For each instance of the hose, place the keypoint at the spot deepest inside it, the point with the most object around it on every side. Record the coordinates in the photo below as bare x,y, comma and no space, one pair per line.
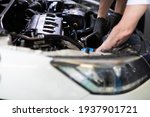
65,38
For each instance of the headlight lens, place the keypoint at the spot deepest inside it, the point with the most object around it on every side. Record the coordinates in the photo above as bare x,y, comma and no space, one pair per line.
105,75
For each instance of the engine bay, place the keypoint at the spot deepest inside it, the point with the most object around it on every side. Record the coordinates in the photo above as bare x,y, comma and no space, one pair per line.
50,25
46,25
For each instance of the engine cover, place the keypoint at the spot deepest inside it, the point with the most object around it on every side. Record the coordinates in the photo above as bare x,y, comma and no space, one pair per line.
47,24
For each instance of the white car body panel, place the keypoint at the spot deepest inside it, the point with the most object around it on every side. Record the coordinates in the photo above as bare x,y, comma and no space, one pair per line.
27,75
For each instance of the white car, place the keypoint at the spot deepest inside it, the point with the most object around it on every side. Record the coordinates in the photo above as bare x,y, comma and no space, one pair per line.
40,55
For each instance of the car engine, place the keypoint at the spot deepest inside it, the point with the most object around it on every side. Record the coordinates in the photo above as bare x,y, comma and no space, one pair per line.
47,25
51,25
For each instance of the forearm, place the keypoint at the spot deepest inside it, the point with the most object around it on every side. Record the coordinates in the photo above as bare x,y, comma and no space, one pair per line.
120,6
104,7
131,16
125,28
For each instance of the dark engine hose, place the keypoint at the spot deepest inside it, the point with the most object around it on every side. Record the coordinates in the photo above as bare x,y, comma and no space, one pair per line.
65,38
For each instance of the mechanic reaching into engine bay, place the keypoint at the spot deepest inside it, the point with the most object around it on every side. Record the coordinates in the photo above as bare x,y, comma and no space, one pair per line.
126,17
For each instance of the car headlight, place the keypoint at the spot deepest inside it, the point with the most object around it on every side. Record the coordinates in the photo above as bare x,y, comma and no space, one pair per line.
105,75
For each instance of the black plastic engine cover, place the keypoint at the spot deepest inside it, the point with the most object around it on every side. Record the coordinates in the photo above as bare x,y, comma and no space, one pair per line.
47,24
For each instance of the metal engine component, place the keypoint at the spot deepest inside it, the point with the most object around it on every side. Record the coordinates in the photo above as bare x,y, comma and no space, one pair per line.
46,24
75,18
43,31
55,5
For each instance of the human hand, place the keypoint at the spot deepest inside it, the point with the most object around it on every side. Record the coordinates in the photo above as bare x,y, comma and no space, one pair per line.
118,36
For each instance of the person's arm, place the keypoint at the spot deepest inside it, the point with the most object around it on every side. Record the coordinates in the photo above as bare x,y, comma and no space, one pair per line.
120,6
104,6
125,28
100,26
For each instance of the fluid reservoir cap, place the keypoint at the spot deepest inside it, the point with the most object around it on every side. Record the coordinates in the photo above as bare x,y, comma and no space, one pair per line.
87,50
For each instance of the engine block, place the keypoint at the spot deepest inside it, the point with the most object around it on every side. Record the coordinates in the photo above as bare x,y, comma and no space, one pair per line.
47,24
